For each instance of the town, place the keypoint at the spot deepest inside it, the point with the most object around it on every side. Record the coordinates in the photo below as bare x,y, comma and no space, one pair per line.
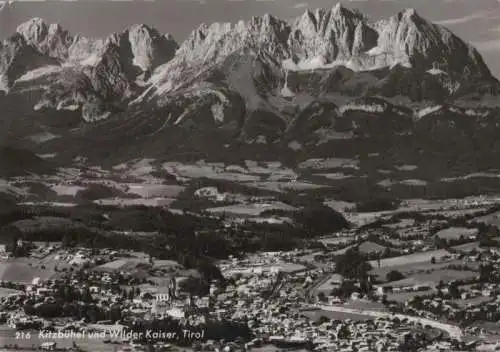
360,289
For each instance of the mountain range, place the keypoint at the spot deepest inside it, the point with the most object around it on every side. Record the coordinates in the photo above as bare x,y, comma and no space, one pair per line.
330,82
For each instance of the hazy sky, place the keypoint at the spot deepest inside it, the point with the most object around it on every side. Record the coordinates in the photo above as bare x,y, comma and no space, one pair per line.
476,21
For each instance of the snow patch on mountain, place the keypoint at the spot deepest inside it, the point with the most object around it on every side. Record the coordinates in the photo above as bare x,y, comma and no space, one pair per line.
39,72
314,63
286,91
428,110
373,108
64,105
436,71
475,113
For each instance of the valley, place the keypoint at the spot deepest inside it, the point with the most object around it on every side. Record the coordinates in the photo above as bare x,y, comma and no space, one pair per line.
324,183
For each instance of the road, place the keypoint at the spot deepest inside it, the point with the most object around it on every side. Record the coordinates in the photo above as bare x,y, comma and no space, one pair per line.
317,284
454,331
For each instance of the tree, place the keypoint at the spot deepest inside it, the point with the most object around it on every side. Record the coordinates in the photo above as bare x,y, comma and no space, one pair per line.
485,272
344,333
195,286
410,344
353,265
394,275
453,290
320,219
346,289
322,297
377,204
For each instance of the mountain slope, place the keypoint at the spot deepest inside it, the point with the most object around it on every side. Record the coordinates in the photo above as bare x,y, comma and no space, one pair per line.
326,39
329,79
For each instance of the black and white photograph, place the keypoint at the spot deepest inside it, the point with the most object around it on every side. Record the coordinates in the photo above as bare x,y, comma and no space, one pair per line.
250,175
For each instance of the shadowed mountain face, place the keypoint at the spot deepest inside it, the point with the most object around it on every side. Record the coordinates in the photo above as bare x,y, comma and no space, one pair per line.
329,78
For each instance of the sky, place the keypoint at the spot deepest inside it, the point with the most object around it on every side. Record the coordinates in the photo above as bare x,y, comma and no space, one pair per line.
475,21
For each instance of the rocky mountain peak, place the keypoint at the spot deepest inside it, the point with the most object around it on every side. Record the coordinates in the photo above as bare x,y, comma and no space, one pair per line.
332,35
144,46
213,43
340,10
410,12
413,41
17,57
149,48
322,39
51,40
34,30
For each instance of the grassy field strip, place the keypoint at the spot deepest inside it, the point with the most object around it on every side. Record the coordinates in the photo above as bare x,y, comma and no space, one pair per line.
454,331
411,258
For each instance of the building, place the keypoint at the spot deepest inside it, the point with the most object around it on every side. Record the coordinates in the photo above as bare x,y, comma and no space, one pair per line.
48,346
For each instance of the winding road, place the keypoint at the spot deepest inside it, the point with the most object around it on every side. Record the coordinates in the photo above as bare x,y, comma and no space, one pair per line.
454,331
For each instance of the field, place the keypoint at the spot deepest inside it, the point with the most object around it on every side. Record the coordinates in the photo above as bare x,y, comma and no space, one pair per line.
252,209
329,163
342,251
66,190
332,241
411,258
18,270
145,190
360,219
24,270
473,301
418,268
327,286
289,267
340,205
364,305
402,297
491,219
433,278
213,171
149,202
371,247
7,291
334,175
45,223
122,264
454,233
469,247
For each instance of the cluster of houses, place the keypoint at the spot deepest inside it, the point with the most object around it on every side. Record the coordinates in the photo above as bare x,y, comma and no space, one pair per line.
267,291
286,321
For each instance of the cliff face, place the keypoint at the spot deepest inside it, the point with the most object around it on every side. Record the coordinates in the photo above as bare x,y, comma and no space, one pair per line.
261,79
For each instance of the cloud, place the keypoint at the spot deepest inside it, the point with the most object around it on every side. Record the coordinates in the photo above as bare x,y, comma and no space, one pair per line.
464,19
300,5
